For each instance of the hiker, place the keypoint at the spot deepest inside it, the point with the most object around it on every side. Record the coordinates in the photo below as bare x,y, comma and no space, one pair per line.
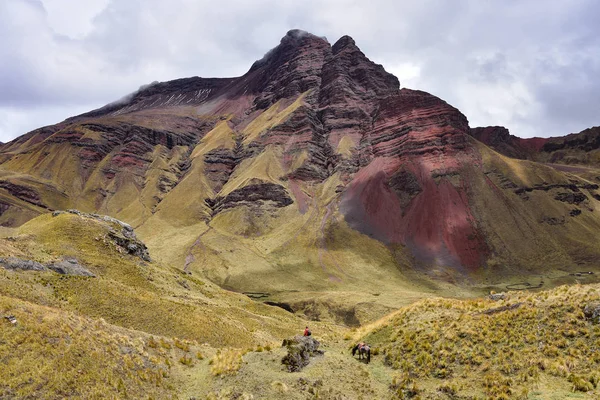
307,332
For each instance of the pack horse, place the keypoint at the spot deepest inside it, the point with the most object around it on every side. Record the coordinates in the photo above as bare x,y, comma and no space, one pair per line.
364,351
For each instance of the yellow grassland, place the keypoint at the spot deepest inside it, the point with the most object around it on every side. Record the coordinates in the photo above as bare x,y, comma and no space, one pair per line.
270,118
266,167
515,225
345,146
52,354
222,136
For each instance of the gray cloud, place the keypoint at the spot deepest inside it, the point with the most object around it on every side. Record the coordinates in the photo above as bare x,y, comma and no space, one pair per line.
530,66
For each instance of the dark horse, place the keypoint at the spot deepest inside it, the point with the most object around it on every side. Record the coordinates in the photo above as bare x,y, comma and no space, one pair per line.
364,351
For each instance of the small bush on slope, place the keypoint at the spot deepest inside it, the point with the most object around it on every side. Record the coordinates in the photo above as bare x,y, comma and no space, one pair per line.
226,361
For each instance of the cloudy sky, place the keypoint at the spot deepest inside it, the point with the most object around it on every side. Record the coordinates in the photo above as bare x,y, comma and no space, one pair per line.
532,66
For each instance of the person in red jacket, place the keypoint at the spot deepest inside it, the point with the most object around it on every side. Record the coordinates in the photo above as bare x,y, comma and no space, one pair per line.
307,332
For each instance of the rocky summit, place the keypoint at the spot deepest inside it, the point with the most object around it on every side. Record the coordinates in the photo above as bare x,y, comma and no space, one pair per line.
316,190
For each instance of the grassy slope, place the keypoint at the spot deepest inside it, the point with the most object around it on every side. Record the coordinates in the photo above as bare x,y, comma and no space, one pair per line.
514,226
63,181
132,293
434,349
284,253
281,252
543,349
98,331
52,353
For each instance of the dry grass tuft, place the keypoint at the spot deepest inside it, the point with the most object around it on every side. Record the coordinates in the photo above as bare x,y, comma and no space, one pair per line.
226,362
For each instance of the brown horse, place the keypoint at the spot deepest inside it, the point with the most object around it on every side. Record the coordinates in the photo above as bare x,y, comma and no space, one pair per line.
364,351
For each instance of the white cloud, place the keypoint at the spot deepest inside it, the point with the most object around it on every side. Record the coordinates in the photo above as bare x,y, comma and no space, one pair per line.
73,18
408,73
25,120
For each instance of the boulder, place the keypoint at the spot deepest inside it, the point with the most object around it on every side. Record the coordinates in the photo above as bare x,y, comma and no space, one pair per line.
300,349
14,263
592,312
497,296
70,267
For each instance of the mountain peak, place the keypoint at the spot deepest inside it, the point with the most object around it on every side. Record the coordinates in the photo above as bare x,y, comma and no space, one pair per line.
343,42
298,34
294,40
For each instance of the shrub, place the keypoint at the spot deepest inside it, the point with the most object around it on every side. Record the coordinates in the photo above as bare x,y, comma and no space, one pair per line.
580,383
182,345
226,362
152,343
186,360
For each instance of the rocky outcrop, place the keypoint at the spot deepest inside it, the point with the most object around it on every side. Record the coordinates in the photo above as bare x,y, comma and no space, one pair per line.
500,139
497,296
574,197
24,193
219,165
586,141
252,195
351,84
406,186
575,212
291,68
121,233
186,91
409,188
128,143
575,148
343,88
14,263
70,266
592,312
65,267
300,350
571,198
4,207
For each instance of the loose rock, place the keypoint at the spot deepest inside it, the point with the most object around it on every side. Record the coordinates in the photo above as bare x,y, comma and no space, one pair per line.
123,237
70,267
14,263
300,349
592,312
497,296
